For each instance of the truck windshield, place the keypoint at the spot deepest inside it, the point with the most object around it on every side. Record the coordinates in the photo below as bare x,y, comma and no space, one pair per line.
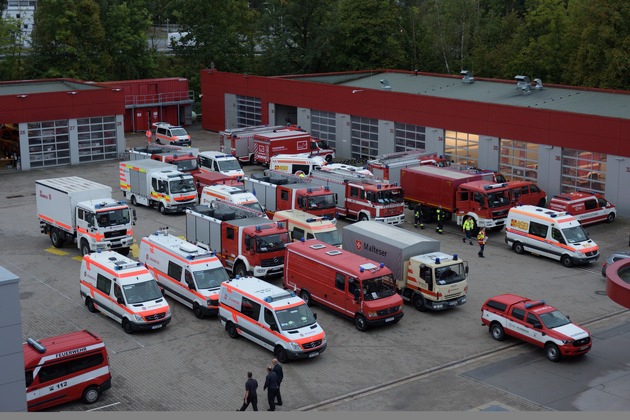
187,165
332,237
322,144
178,132
142,292
274,242
378,287
575,234
113,217
393,196
554,319
255,205
498,199
183,185
296,317
450,274
321,201
210,278
228,165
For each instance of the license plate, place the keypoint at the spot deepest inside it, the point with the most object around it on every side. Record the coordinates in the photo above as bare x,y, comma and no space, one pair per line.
155,327
389,319
313,354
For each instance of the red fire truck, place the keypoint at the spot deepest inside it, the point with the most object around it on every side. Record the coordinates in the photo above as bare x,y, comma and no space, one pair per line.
239,142
456,192
361,196
281,191
388,166
251,245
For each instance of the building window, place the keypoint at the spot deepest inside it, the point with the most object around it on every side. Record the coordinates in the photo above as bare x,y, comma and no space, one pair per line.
324,127
48,143
462,148
364,138
97,138
519,160
410,137
248,111
583,171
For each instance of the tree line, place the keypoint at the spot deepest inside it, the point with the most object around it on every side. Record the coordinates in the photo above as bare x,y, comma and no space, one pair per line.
569,42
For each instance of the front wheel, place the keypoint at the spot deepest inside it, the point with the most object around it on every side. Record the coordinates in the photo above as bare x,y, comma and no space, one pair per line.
496,331
231,330
197,310
240,270
329,159
610,218
541,202
85,247
306,297
363,217
281,354
552,352
90,395
127,327
134,202
162,208
361,323
418,303
566,261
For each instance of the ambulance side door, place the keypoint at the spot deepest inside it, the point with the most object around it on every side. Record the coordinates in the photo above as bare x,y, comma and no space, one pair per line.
269,326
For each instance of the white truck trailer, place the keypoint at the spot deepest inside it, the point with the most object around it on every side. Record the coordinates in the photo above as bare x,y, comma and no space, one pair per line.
425,276
73,209
157,184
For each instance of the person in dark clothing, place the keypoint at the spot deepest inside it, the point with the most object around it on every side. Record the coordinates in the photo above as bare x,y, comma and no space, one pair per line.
271,385
277,367
250,393
417,214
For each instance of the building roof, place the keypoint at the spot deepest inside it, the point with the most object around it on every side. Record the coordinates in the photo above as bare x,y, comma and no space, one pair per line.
615,104
44,86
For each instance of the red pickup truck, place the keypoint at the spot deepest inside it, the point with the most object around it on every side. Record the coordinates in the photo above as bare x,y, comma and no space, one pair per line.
535,322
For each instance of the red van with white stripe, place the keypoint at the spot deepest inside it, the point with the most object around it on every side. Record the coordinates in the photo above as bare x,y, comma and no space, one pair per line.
65,368
272,317
124,290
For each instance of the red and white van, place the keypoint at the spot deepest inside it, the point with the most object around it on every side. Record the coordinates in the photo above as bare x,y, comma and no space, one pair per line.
352,285
65,368
587,208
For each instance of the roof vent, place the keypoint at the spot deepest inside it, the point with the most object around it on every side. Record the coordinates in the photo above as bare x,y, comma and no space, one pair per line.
468,77
385,84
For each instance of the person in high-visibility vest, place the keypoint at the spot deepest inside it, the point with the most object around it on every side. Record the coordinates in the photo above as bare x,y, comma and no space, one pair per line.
482,238
439,215
468,227
148,134
417,214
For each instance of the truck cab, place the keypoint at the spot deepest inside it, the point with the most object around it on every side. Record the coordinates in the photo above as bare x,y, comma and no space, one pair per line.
220,162
304,226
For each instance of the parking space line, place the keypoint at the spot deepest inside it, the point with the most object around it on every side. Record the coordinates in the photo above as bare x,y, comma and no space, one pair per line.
55,251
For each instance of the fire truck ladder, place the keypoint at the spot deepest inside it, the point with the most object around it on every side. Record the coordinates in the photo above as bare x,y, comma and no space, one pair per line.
241,212
344,175
391,158
292,178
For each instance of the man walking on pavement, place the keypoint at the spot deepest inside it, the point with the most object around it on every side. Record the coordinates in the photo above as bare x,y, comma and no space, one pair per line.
439,214
482,238
417,214
271,385
468,227
278,369
250,393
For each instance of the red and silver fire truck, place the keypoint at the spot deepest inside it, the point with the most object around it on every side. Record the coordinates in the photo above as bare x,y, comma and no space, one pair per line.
388,166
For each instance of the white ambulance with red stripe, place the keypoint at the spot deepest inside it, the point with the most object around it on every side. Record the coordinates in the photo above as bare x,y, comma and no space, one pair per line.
124,290
549,233
189,274
272,317
65,368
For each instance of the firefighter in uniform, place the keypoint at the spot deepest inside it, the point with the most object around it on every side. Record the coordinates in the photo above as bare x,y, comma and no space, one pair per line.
439,215
468,227
417,214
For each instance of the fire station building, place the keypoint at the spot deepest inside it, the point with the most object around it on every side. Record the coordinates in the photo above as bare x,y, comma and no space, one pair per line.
64,121
563,138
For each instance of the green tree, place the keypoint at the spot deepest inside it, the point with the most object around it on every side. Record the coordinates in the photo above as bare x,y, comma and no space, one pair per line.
67,41
365,34
11,49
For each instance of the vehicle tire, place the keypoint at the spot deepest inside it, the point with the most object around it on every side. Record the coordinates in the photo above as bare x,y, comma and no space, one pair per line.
518,248
90,395
126,325
497,332
123,251
542,202
566,261
427,214
329,159
239,270
360,323
231,330
552,352
162,208
281,354
197,310
610,218
157,141
306,297
85,247
418,303
363,217
252,160
90,305
55,238
134,202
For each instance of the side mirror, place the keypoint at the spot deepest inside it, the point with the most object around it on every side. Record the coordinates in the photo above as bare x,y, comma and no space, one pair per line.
315,316
133,211
537,325
191,286
120,300
274,327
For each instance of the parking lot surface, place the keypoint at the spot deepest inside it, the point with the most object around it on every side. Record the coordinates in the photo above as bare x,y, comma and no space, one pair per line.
441,361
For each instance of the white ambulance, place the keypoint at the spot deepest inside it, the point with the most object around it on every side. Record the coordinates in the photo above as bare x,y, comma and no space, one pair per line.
227,165
272,317
549,233
297,164
231,194
189,274
124,290
303,226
